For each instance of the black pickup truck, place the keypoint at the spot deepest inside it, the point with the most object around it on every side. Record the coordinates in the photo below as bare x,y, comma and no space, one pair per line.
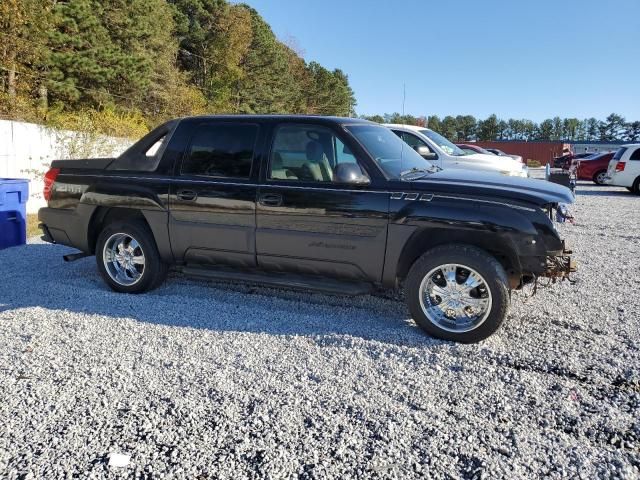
335,204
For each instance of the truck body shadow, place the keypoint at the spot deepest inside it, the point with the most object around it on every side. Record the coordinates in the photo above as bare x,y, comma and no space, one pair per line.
36,276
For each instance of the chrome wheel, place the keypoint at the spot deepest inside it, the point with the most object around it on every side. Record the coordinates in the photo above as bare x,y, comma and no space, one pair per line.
455,298
123,259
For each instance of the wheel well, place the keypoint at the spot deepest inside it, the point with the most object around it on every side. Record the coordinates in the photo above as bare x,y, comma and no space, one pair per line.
425,240
103,216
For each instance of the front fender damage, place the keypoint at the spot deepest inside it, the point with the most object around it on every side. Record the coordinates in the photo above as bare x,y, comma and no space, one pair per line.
560,267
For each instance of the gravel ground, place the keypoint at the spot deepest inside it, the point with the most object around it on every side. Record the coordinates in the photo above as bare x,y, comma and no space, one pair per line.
204,380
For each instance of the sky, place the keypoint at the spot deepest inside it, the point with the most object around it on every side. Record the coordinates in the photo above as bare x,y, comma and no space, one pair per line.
517,59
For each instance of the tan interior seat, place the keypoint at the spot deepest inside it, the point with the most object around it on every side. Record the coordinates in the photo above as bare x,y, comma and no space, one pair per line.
278,171
318,165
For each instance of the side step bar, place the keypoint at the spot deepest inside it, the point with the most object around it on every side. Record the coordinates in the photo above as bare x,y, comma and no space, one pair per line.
278,280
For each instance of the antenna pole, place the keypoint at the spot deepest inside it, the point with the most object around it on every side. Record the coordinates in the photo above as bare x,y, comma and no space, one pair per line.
404,97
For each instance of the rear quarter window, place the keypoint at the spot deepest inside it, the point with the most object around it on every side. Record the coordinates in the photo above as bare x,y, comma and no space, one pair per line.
635,155
619,153
145,154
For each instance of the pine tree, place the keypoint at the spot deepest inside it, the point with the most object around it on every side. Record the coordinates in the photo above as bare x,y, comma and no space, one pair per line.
23,51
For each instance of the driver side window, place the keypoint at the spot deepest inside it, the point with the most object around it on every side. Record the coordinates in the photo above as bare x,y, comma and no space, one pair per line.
309,153
413,141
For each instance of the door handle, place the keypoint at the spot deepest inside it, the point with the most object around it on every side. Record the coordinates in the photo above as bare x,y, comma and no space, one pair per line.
188,195
270,200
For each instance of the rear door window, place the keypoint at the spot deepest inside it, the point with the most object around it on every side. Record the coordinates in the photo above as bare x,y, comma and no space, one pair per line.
221,150
635,155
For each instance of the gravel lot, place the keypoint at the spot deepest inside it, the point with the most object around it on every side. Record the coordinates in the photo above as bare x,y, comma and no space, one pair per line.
204,380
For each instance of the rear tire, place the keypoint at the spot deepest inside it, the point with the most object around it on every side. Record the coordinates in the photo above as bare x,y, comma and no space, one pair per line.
636,186
460,315
128,258
599,177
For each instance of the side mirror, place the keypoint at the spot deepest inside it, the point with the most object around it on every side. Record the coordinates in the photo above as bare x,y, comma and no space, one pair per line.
350,173
425,153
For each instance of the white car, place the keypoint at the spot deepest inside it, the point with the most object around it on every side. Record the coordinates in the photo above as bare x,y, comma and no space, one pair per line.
624,168
441,152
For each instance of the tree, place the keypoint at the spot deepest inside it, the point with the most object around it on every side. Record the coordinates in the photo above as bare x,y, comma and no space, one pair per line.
433,122
503,130
84,62
488,129
225,54
23,31
570,127
466,127
374,118
545,131
529,129
143,32
612,128
330,93
593,129
557,132
344,98
197,29
402,119
632,131
449,128
266,84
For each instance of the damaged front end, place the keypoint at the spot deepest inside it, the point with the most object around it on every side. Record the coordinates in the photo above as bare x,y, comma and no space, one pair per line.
560,267
555,261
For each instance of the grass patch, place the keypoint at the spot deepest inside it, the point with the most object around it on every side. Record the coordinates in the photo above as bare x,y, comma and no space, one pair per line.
533,163
32,225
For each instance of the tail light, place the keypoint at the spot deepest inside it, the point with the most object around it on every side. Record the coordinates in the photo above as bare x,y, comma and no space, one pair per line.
620,166
49,180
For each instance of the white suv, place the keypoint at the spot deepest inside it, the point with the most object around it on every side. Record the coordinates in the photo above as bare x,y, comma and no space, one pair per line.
624,168
441,152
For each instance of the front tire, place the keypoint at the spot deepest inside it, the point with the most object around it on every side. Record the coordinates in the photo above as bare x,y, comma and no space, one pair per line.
128,258
458,292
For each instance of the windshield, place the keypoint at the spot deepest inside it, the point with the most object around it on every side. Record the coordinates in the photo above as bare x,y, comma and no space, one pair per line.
445,145
394,156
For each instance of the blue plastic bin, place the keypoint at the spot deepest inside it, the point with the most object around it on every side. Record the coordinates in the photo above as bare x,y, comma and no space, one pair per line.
14,193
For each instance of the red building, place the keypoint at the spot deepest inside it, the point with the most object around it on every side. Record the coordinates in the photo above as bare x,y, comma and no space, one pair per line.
543,152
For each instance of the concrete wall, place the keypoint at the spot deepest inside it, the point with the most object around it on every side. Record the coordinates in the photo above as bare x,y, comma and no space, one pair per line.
27,149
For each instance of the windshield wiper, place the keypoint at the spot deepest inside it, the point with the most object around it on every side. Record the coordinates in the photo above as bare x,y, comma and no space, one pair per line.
414,170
